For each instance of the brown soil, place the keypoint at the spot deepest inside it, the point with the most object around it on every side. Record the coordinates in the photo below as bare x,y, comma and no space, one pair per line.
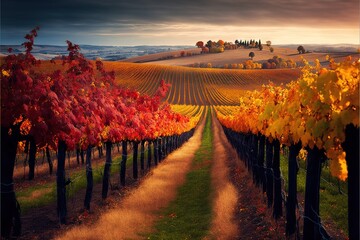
224,225
251,213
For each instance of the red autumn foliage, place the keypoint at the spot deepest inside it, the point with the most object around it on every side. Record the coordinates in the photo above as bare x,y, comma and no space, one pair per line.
80,104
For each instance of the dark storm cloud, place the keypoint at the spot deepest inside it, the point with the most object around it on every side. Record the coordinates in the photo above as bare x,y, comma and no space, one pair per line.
127,15
19,13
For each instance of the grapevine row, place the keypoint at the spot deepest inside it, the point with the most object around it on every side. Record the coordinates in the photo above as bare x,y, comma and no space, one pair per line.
77,106
319,112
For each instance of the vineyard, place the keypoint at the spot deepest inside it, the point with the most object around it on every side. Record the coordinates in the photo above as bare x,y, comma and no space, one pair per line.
192,86
190,127
319,113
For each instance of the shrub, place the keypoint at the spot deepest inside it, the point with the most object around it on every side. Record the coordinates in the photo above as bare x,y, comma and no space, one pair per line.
266,65
217,50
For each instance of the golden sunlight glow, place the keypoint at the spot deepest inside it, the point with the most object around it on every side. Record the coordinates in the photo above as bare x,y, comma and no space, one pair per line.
188,34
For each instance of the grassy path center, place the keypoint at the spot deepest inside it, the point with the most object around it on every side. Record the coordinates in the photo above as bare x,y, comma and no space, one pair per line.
189,215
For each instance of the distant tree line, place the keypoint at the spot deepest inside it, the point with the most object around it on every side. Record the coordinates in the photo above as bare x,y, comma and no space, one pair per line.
248,43
220,45
215,46
272,63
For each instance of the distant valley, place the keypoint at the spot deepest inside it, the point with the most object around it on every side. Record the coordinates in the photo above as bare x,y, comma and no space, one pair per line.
109,53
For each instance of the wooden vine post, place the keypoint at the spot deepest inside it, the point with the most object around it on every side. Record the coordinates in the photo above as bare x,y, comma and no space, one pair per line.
351,147
291,200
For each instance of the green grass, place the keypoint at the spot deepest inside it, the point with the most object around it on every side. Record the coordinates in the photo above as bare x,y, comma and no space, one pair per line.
189,215
26,200
47,192
333,205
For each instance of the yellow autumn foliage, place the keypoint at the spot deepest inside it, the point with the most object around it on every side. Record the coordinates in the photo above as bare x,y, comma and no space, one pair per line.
315,109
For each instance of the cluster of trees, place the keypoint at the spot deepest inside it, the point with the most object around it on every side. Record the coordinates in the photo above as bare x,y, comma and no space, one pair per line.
249,64
253,44
187,54
220,45
215,46
248,43
278,62
273,63
201,65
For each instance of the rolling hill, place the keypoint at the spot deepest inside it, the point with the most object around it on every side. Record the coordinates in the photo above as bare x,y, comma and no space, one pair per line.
197,86
192,86
240,55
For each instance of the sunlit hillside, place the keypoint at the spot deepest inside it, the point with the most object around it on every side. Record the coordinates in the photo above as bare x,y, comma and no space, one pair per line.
192,86
197,86
241,55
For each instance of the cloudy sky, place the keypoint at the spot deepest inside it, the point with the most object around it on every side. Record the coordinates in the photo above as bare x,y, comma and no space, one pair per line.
159,22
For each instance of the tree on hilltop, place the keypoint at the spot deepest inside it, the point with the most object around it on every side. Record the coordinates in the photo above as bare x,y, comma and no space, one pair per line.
301,49
200,44
210,44
251,55
220,43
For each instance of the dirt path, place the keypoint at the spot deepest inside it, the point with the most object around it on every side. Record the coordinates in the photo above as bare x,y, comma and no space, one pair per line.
223,225
136,214
239,208
238,200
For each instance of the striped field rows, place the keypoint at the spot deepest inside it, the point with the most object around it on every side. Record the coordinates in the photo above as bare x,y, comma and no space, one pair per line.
194,86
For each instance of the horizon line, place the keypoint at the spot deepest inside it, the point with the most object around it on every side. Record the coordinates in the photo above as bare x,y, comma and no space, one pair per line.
178,45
